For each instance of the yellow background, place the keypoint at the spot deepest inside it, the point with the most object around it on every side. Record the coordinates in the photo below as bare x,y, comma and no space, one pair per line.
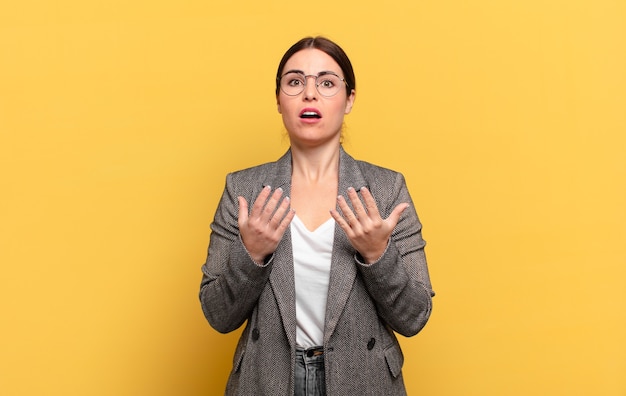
120,119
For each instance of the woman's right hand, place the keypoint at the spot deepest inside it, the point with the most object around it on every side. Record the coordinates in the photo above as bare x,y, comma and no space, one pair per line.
262,228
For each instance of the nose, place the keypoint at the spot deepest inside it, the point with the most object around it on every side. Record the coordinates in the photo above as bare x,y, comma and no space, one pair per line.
310,90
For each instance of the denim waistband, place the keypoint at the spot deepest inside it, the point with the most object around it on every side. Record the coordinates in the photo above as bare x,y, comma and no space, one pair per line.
310,352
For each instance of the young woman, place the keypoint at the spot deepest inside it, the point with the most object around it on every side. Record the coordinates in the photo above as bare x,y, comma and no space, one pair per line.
319,254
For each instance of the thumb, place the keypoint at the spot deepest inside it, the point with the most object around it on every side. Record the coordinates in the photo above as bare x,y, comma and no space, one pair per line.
394,217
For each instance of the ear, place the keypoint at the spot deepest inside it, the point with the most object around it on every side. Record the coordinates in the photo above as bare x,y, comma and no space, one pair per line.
350,102
278,105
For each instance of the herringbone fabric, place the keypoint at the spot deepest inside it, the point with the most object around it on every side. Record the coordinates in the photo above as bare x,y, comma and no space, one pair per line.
366,303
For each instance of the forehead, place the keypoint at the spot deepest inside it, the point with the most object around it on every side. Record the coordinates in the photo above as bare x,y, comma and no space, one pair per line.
312,61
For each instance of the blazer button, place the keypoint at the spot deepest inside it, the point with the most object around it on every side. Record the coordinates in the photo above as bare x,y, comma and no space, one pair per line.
255,334
370,344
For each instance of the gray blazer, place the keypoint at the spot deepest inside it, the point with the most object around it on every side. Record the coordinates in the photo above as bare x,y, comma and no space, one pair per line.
366,303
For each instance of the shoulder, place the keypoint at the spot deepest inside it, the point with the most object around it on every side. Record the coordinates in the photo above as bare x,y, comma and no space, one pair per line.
370,171
249,181
265,172
379,177
388,186
376,172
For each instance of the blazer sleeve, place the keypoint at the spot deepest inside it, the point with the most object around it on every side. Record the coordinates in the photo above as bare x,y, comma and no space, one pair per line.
231,281
399,281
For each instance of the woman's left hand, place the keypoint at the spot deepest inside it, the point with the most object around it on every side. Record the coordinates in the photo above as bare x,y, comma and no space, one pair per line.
367,231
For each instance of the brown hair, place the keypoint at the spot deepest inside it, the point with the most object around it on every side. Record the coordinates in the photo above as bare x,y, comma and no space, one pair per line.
331,49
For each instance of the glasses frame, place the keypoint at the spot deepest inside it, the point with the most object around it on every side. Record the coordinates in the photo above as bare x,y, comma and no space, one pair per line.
306,79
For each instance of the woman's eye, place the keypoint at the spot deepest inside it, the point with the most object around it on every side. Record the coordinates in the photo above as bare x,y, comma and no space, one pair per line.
295,83
327,84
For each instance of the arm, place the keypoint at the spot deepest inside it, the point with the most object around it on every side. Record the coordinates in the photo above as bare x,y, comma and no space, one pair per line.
240,254
397,278
231,282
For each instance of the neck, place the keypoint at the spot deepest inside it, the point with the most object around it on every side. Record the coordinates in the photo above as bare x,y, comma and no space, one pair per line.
315,164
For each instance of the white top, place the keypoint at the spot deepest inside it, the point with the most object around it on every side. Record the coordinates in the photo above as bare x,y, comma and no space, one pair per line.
312,251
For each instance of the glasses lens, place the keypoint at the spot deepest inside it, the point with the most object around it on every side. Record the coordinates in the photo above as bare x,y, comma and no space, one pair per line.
329,84
292,83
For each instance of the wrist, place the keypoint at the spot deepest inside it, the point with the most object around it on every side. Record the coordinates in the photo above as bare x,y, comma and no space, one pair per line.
373,257
259,260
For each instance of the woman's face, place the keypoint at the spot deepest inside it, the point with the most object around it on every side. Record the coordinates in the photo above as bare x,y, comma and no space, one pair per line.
310,118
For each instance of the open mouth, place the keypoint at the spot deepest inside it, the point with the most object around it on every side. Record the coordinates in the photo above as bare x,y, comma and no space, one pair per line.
310,113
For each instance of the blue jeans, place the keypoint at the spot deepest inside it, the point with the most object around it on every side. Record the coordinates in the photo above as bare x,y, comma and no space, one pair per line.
309,375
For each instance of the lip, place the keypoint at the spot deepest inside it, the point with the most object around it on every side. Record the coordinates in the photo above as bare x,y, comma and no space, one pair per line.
310,110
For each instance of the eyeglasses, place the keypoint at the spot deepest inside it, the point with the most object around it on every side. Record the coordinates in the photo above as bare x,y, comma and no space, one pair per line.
327,83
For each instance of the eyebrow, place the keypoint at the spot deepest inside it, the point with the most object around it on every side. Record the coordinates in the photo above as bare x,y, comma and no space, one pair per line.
294,71
323,72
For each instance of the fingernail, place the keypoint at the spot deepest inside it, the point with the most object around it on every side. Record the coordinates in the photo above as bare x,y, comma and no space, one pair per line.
350,188
279,189
268,187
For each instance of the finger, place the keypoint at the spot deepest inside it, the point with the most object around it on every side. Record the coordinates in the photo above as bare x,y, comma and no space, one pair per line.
370,203
271,204
341,221
348,215
394,217
243,211
260,200
282,227
359,210
280,212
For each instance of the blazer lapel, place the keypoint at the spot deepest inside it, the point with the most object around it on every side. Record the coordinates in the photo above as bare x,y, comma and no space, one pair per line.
282,276
343,269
